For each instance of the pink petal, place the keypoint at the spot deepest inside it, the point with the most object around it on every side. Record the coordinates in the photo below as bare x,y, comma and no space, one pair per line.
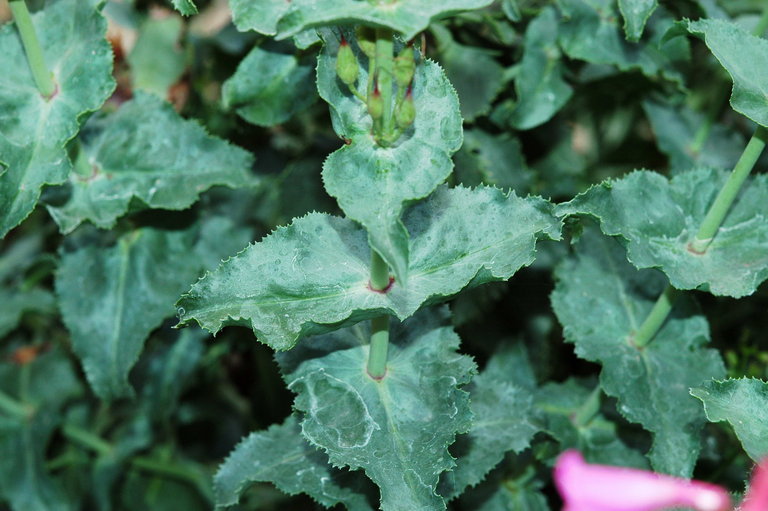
586,487
756,498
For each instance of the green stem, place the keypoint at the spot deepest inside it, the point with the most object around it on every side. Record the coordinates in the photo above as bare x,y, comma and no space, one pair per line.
716,214
87,439
43,77
656,318
357,94
379,272
589,409
377,356
13,407
383,73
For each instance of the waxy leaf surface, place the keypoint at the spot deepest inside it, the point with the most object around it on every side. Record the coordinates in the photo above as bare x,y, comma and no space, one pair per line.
113,297
312,276
745,57
660,217
541,90
157,60
284,19
502,421
146,152
636,14
652,382
490,159
743,403
397,429
270,85
371,183
34,130
280,455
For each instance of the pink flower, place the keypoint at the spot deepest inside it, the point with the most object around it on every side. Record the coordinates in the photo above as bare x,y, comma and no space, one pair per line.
586,487
756,498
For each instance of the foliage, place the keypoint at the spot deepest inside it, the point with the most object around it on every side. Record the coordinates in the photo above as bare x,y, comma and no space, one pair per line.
463,237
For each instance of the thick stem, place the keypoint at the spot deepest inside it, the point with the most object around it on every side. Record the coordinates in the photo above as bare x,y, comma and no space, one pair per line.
384,65
716,214
377,356
43,77
379,272
656,318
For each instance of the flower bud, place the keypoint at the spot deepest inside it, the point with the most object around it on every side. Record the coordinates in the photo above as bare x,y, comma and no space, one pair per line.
346,63
376,104
406,112
404,67
366,40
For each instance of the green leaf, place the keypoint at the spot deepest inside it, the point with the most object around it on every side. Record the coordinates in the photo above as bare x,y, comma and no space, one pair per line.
745,57
185,7
636,14
590,31
284,19
30,382
146,152
511,10
492,159
373,183
541,90
660,217
111,298
33,131
157,60
270,85
169,372
601,301
676,128
597,438
15,303
312,276
743,403
473,71
503,421
24,480
280,455
508,492
397,429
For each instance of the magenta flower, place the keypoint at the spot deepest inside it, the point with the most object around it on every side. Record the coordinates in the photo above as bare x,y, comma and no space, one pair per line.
756,498
586,487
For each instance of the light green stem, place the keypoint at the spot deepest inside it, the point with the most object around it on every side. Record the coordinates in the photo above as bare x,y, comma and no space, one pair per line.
379,272
656,317
383,73
43,77
87,439
589,409
719,209
377,356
